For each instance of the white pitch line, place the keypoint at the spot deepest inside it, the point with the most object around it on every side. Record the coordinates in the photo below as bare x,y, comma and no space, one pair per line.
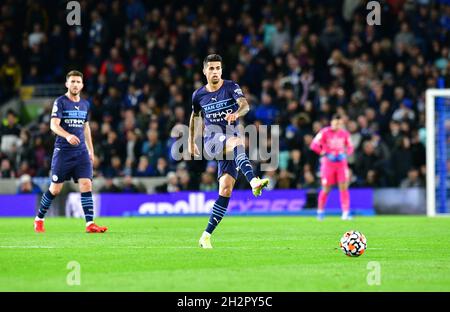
187,247
28,247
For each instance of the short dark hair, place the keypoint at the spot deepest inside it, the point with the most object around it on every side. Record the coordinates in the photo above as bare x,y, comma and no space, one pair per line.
74,73
212,58
336,116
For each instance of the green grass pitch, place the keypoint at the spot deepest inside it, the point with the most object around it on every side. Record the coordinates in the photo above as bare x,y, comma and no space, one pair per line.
250,254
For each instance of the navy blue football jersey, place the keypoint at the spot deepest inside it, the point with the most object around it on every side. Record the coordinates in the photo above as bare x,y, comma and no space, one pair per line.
73,115
216,105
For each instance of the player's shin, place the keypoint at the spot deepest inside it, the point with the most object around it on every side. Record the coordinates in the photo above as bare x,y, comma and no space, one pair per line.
218,212
322,200
88,206
243,162
345,200
46,201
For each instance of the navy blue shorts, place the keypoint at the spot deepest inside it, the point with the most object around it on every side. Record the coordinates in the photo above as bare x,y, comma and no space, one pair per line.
67,164
214,148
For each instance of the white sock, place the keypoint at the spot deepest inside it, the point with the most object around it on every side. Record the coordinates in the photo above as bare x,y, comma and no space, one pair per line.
89,223
206,234
38,219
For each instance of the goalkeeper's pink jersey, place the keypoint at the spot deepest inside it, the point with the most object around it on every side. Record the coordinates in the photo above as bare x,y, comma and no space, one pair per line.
332,142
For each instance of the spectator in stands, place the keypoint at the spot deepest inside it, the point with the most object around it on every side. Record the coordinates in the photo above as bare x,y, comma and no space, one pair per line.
162,168
44,170
171,185
152,148
402,159
295,165
27,186
310,157
109,186
184,180
413,179
285,180
113,67
418,150
10,130
371,180
404,112
208,182
355,138
143,169
394,134
25,148
25,169
40,153
366,160
115,168
37,36
128,186
112,105
10,77
6,170
267,112
309,181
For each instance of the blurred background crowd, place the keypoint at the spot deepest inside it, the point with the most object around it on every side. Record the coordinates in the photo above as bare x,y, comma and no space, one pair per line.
298,62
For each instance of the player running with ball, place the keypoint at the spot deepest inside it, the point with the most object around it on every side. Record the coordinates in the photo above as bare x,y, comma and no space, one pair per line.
73,154
221,102
334,145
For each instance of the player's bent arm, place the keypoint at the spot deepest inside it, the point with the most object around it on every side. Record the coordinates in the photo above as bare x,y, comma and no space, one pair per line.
193,131
88,138
56,128
244,107
316,144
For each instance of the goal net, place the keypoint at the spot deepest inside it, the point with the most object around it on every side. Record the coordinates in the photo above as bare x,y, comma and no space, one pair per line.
438,151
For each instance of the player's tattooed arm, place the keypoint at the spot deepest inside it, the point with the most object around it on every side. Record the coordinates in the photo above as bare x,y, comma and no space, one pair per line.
56,128
243,109
194,127
88,138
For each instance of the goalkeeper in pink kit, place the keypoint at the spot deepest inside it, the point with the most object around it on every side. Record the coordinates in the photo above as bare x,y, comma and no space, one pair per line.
334,145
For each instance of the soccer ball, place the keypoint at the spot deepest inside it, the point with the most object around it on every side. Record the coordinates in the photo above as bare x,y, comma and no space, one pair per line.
353,243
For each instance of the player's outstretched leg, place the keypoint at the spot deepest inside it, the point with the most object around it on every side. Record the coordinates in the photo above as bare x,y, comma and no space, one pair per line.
46,201
88,207
246,168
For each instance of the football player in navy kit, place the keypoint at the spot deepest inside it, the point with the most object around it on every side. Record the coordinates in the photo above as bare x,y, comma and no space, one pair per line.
220,103
74,152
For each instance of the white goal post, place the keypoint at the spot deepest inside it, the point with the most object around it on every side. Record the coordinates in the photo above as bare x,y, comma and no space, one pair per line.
430,104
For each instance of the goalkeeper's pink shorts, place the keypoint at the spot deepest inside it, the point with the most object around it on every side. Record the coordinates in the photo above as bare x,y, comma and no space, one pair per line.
333,172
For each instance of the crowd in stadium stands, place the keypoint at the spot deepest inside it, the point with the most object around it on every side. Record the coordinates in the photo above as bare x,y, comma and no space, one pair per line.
298,62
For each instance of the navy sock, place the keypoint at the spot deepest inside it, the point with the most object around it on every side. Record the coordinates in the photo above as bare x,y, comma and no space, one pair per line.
218,211
88,206
46,201
243,163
